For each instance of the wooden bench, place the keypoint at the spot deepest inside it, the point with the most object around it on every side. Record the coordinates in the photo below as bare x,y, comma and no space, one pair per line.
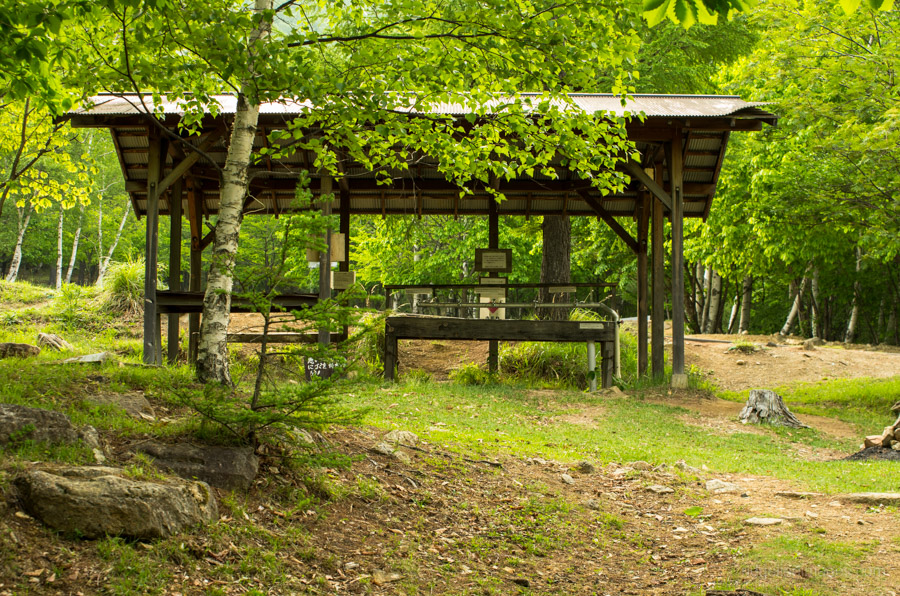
428,327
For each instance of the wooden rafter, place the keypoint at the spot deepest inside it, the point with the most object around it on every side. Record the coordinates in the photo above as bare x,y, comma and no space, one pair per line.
610,221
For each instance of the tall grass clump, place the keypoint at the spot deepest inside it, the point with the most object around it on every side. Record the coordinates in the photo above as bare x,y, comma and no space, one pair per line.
123,288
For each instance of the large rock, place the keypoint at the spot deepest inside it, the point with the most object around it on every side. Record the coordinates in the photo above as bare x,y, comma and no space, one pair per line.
97,501
13,350
35,424
134,403
229,468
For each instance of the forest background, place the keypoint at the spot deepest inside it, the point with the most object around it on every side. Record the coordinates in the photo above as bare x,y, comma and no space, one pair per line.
803,236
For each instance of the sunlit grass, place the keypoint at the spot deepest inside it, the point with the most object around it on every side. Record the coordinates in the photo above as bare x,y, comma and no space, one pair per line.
494,420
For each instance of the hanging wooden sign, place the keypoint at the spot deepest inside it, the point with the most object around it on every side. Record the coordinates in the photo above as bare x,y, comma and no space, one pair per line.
341,280
493,260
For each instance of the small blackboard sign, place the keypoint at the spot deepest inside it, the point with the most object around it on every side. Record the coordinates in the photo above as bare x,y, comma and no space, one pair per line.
318,368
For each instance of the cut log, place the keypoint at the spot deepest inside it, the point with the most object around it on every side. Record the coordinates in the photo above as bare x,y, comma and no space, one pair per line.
765,406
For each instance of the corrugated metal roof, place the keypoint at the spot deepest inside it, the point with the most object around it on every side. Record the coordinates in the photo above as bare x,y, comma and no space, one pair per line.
684,106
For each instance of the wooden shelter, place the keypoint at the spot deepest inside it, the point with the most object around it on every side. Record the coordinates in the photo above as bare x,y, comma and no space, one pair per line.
681,141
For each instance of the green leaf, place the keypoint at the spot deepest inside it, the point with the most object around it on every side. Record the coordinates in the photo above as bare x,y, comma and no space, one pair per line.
850,6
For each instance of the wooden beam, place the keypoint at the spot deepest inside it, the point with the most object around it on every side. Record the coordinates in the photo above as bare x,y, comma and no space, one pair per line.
172,342
208,239
610,221
185,164
635,169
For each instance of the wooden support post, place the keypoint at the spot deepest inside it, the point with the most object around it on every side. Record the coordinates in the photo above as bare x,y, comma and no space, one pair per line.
493,242
390,353
174,264
325,257
657,342
643,223
345,231
607,363
152,340
676,172
193,197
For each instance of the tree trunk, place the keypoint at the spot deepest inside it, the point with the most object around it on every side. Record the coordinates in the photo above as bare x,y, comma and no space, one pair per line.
746,303
797,293
715,299
854,310
104,261
212,358
690,302
732,318
25,212
707,293
892,333
555,262
59,248
764,406
75,245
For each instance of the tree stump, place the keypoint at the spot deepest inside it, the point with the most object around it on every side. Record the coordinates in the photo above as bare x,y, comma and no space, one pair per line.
765,406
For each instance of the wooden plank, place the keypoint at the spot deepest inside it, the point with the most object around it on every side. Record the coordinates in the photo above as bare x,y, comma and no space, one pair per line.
610,221
657,240
676,174
635,169
423,327
152,340
279,338
175,196
192,302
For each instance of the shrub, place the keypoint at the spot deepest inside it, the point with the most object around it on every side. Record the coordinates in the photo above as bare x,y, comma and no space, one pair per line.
562,364
470,374
72,306
123,288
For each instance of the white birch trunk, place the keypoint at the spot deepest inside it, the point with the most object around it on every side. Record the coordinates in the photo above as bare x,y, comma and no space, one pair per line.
104,262
75,246
212,357
732,319
795,308
746,304
854,310
707,292
59,247
25,212
714,299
